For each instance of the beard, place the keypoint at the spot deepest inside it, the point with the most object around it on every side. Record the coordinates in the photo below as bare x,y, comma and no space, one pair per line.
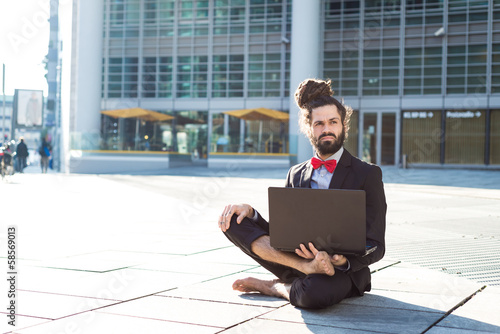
328,147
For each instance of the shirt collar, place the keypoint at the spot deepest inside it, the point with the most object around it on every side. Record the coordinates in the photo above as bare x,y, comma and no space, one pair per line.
336,156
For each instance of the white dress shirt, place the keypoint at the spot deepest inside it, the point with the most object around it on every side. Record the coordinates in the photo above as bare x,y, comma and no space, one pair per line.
321,177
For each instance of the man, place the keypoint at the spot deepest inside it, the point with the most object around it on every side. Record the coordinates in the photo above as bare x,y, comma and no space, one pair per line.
21,154
312,278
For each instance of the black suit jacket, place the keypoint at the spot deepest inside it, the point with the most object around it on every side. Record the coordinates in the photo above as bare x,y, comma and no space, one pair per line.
352,173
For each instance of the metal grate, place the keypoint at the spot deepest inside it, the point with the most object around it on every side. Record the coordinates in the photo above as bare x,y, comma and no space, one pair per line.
474,258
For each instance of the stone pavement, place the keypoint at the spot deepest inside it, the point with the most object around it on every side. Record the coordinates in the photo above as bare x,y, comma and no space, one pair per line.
143,254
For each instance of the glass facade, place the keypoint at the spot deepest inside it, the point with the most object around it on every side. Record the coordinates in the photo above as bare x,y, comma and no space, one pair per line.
163,48
495,138
465,137
351,143
248,136
457,137
433,56
422,136
215,52
195,50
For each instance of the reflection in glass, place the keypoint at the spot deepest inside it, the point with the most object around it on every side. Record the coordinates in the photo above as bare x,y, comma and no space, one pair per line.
369,138
495,138
422,136
248,136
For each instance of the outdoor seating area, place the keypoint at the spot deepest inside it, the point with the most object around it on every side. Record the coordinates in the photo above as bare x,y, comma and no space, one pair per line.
257,130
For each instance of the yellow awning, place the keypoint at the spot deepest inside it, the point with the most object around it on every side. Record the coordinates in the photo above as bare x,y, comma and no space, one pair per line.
259,114
147,115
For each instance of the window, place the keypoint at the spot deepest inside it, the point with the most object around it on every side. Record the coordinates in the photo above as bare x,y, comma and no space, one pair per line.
380,72
192,76
466,69
422,136
465,136
495,137
422,71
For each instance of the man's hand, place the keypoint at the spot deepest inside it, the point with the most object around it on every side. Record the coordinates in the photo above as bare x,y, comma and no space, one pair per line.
241,210
306,253
336,259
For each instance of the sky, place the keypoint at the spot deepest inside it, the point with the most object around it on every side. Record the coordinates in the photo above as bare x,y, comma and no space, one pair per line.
24,40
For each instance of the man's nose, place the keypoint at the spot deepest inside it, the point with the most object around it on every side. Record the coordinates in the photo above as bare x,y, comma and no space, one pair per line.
326,128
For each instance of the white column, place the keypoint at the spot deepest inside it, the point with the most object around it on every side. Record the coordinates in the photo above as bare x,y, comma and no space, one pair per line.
87,71
305,63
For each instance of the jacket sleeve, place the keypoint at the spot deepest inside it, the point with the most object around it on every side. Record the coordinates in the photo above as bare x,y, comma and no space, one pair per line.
376,208
288,182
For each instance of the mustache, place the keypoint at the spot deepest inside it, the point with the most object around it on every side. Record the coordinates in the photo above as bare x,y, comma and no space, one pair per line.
329,134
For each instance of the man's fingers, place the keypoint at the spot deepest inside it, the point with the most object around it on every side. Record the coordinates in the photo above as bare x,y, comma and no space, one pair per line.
313,249
304,252
240,217
223,221
304,249
241,210
300,253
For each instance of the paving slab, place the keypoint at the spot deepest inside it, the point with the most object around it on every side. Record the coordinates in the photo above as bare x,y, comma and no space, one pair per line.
360,317
86,263
406,300
190,311
116,285
411,278
190,265
220,290
134,257
41,279
53,306
21,322
228,255
384,263
474,316
449,330
267,326
174,246
104,323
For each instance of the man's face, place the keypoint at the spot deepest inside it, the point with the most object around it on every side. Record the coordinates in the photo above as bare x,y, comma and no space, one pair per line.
328,132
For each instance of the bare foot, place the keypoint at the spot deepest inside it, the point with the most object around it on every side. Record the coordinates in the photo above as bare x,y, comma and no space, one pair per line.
251,284
321,264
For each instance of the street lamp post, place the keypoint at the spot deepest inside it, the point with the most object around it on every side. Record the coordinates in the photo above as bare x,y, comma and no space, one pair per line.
3,91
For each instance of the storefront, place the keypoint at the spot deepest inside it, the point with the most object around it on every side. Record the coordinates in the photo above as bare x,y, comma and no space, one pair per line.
451,137
419,138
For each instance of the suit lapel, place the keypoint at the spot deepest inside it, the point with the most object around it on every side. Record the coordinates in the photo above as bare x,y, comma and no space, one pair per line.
305,177
341,171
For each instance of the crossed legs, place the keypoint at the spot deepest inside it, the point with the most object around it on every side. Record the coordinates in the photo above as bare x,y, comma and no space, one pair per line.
310,283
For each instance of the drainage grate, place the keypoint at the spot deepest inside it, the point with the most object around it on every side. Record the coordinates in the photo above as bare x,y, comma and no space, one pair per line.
474,258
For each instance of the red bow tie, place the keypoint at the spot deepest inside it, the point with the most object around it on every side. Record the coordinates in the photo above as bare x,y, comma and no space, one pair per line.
329,164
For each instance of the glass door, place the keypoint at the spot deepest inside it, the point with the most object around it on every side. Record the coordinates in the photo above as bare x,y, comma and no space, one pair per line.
388,139
369,148
378,144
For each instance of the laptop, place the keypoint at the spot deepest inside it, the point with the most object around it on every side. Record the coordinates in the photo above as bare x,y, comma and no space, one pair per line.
334,220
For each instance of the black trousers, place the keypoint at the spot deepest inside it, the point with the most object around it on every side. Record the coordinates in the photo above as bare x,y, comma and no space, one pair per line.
307,291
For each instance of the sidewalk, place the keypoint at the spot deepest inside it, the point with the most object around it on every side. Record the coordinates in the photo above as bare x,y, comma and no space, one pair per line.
143,254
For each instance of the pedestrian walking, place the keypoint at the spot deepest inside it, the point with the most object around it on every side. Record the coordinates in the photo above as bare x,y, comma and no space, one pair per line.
21,155
45,152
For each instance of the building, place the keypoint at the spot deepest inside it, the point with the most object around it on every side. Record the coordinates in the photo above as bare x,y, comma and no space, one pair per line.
423,77
6,118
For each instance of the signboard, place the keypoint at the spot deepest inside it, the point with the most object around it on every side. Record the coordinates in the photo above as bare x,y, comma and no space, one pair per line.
28,106
449,114
418,114
463,114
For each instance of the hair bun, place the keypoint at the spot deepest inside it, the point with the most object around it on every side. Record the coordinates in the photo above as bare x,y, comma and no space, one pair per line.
311,89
